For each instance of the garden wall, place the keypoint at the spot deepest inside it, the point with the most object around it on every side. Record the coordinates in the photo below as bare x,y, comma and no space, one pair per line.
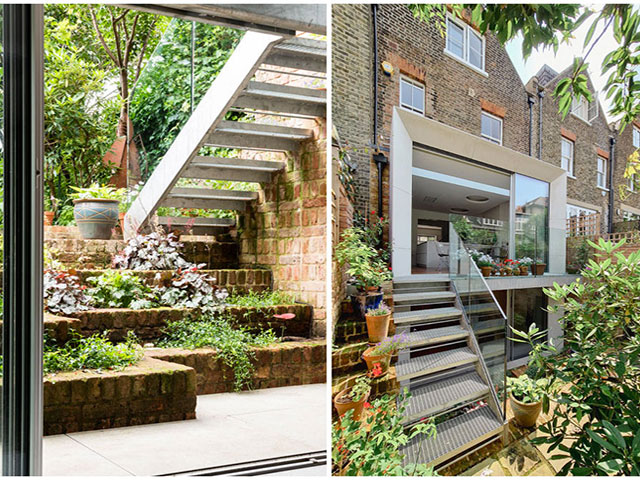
279,365
285,230
148,324
152,391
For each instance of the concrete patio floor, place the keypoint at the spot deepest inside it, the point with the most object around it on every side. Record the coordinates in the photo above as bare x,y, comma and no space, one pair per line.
230,428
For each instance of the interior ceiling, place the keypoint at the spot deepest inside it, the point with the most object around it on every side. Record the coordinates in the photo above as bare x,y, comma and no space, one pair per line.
441,196
262,17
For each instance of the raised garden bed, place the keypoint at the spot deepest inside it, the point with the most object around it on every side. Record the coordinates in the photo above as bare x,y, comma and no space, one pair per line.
148,324
151,391
279,365
238,280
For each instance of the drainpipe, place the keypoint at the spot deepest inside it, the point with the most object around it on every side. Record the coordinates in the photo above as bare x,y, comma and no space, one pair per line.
530,101
612,164
540,97
378,157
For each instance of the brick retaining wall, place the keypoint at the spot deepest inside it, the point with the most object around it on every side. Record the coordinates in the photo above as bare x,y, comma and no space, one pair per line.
152,391
279,365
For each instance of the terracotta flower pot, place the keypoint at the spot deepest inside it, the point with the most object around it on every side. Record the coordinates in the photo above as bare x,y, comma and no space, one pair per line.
525,414
538,268
121,220
371,360
372,289
343,405
48,217
486,271
377,327
524,270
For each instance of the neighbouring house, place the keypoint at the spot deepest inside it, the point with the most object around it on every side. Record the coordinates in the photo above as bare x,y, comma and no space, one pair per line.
478,163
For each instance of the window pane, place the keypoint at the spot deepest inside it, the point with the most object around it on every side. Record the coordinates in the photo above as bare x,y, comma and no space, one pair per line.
496,129
636,137
475,50
455,39
418,98
486,125
405,93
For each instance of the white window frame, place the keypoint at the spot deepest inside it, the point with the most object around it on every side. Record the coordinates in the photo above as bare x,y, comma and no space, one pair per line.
414,84
602,174
497,141
631,183
579,106
570,170
466,31
636,137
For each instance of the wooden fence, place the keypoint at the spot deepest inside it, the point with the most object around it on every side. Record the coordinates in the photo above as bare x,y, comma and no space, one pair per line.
584,225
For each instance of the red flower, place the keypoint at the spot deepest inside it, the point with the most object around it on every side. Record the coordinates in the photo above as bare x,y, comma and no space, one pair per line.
367,405
373,212
376,371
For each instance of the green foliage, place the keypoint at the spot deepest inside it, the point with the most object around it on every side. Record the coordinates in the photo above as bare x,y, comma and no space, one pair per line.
373,448
232,345
66,216
114,289
359,390
161,103
261,299
365,265
527,390
191,288
105,192
94,352
600,408
382,309
63,294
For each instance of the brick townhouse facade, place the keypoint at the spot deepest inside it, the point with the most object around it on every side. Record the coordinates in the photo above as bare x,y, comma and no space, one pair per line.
457,94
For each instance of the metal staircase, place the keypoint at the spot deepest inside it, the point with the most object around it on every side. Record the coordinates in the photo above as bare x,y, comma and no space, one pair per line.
454,361
270,105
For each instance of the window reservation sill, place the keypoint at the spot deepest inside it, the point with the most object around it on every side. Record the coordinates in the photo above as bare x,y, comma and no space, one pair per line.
466,64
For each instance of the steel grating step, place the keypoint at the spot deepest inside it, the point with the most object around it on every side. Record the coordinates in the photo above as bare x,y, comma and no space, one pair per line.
436,335
453,437
422,316
438,396
434,362
421,297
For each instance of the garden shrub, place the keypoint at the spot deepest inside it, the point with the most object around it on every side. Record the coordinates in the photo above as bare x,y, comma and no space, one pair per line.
94,352
155,251
114,289
191,288
372,449
599,410
63,293
261,299
232,345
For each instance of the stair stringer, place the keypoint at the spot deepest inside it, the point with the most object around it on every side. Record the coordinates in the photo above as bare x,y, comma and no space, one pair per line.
230,82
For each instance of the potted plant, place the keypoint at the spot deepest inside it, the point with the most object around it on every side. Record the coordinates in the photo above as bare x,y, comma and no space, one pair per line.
485,263
96,210
48,212
378,357
354,397
525,263
378,322
530,391
539,267
526,396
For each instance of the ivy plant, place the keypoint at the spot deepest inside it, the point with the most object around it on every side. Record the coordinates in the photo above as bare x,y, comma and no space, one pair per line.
115,289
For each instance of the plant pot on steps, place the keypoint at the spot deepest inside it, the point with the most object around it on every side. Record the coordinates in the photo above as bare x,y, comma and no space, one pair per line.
525,414
371,360
48,217
538,268
343,405
377,327
96,217
363,301
524,270
121,221
486,271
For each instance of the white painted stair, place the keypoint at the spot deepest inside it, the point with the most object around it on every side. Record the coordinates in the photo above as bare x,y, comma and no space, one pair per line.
236,89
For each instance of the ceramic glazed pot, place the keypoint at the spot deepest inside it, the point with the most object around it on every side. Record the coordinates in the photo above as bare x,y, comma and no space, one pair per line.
538,268
371,360
525,414
48,218
96,217
486,271
362,302
344,406
377,327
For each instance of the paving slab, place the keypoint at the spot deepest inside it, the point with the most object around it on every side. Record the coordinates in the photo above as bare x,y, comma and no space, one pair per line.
229,428
488,468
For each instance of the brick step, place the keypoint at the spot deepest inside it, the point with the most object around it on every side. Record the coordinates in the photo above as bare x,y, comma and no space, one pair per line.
348,358
349,330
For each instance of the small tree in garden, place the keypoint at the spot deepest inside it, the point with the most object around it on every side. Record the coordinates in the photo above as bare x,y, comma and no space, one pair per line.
599,409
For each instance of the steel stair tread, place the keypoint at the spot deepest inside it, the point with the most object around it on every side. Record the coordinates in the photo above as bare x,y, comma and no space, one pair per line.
198,221
435,335
436,397
401,298
432,314
263,129
433,362
453,437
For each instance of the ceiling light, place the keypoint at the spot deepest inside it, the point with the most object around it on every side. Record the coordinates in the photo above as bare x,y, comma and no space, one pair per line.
477,198
459,210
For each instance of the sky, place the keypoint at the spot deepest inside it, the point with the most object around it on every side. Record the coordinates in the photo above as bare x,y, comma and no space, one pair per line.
565,55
